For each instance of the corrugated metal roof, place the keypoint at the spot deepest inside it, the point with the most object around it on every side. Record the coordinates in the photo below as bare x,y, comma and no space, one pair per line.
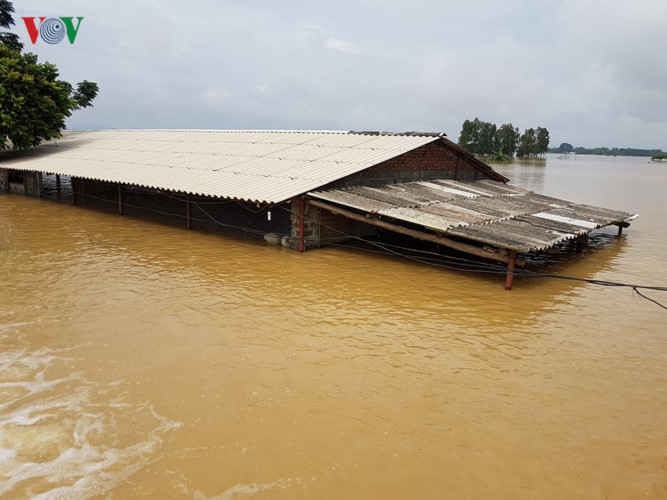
485,211
254,165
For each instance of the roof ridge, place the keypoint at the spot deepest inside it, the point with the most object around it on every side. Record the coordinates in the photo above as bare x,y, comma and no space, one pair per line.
270,131
410,133
213,130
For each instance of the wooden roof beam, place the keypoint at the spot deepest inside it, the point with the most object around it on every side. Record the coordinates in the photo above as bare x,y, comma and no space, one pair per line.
501,255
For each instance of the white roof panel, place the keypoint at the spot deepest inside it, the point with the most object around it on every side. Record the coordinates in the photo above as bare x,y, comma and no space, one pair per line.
255,165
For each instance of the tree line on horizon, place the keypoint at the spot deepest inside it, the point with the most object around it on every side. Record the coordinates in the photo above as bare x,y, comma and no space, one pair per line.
566,147
487,139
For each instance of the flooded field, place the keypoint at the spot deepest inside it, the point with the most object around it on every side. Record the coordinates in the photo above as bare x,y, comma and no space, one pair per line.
143,360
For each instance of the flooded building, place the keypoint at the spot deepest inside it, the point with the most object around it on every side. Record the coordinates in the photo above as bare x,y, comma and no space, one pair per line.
307,189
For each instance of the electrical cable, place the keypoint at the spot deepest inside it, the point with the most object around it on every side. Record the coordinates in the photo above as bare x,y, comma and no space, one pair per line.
489,268
648,298
434,259
181,216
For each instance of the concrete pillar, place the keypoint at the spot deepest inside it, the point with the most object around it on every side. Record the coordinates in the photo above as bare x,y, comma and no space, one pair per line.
305,222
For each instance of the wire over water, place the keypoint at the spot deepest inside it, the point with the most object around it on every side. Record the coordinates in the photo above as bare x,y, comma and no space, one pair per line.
476,266
434,259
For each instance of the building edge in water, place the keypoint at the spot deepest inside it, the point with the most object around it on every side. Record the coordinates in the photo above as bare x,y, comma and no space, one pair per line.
307,189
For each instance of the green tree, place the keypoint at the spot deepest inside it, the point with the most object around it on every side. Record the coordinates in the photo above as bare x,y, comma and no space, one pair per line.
85,94
507,138
467,136
476,127
527,144
487,138
542,140
478,137
7,21
34,103
565,147
6,11
470,135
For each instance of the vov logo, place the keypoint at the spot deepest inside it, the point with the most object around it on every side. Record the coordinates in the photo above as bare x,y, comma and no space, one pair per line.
52,29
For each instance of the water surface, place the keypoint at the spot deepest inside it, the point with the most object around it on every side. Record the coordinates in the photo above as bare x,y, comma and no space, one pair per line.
142,360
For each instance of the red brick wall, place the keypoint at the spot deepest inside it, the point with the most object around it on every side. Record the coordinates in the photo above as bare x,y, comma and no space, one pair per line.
433,160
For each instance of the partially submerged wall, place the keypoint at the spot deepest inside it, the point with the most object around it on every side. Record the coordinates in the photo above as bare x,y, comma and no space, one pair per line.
204,213
21,182
32,182
436,160
321,227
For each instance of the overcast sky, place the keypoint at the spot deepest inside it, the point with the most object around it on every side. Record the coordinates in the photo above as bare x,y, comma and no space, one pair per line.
593,73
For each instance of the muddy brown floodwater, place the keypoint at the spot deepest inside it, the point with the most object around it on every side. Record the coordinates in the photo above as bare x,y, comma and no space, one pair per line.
142,360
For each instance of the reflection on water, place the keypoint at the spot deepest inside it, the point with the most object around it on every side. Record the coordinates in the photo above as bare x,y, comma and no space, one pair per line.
142,360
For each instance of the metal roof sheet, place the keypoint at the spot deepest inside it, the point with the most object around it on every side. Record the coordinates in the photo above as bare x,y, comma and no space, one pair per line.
485,211
267,166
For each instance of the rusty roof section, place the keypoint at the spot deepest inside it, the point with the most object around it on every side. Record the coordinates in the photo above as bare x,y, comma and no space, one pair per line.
263,166
485,211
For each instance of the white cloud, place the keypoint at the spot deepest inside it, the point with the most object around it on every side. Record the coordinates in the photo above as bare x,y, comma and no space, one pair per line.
341,46
592,74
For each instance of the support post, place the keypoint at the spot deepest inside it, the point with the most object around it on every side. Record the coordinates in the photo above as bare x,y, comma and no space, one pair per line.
120,199
4,180
58,190
510,270
38,181
188,223
620,230
302,216
75,187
